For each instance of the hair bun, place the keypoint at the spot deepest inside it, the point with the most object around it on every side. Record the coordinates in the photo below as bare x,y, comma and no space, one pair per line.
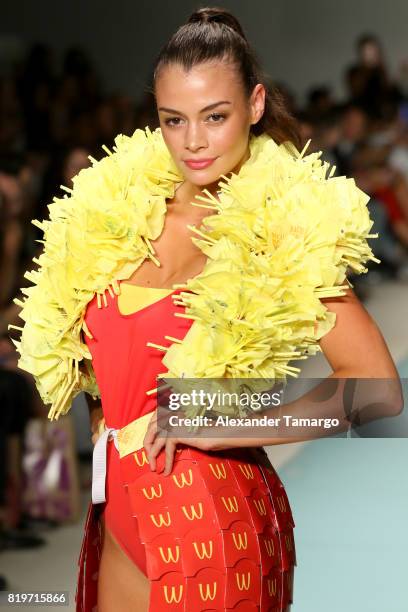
213,14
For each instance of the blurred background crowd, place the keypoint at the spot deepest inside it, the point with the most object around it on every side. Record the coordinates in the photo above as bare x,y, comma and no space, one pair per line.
51,121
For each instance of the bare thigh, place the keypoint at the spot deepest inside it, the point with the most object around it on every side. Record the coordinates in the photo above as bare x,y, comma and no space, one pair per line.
122,587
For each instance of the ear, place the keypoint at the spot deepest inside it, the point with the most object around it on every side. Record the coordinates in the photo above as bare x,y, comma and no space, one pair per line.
257,103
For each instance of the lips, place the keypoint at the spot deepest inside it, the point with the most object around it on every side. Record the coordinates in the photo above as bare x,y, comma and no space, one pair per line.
198,164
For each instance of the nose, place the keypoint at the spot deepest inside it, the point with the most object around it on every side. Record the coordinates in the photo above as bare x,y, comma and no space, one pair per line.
195,138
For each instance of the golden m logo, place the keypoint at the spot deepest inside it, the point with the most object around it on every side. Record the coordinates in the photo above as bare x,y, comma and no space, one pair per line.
153,492
242,542
184,479
208,594
219,470
272,586
143,460
232,505
173,596
241,582
204,552
270,548
246,469
194,513
260,506
280,500
170,556
161,520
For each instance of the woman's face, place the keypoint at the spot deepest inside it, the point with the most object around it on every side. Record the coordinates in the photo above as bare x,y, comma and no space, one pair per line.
204,115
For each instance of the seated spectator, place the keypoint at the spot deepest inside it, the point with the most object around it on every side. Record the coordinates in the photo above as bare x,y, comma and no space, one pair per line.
15,398
354,124
388,187
368,81
326,137
398,157
320,102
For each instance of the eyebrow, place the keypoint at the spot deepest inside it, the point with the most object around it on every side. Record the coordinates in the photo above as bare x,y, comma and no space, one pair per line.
206,108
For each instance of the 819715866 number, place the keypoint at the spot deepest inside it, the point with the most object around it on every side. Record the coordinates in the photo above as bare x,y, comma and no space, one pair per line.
35,597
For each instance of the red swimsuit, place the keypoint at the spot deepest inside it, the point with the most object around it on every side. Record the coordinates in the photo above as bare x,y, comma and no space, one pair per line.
125,368
220,534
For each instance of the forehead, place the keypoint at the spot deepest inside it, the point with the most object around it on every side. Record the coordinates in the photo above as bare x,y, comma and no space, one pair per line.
205,81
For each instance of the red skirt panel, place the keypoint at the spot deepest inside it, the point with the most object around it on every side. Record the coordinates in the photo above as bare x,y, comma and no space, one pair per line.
217,532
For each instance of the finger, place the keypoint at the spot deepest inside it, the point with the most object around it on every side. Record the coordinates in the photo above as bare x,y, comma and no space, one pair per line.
153,451
149,438
171,446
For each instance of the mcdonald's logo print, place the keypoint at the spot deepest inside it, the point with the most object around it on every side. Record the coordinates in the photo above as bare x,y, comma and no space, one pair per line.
194,514
270,547
184,479
232,504
271,587
219,470
161,521
260,506
242,541
140,461
217,532
173,597
204,552
242,583
247,471
280,500
208,594
171,558
153,493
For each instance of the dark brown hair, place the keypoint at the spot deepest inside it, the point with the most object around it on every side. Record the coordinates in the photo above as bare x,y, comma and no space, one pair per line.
214,33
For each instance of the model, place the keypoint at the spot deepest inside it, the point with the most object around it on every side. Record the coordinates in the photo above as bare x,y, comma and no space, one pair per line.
137,281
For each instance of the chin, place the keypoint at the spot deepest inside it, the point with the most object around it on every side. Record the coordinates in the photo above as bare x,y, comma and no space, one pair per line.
205,181
203,178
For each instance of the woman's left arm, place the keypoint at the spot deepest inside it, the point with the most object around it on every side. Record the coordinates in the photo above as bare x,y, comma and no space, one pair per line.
354,348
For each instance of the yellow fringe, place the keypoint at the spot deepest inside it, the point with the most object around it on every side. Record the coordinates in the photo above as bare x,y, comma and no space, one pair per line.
157,346
86,330
172,339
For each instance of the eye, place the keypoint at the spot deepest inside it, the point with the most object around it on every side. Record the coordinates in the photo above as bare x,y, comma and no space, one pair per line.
216,118
219,117
170,121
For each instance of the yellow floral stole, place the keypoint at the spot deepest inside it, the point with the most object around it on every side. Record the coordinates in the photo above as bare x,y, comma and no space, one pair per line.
283,234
